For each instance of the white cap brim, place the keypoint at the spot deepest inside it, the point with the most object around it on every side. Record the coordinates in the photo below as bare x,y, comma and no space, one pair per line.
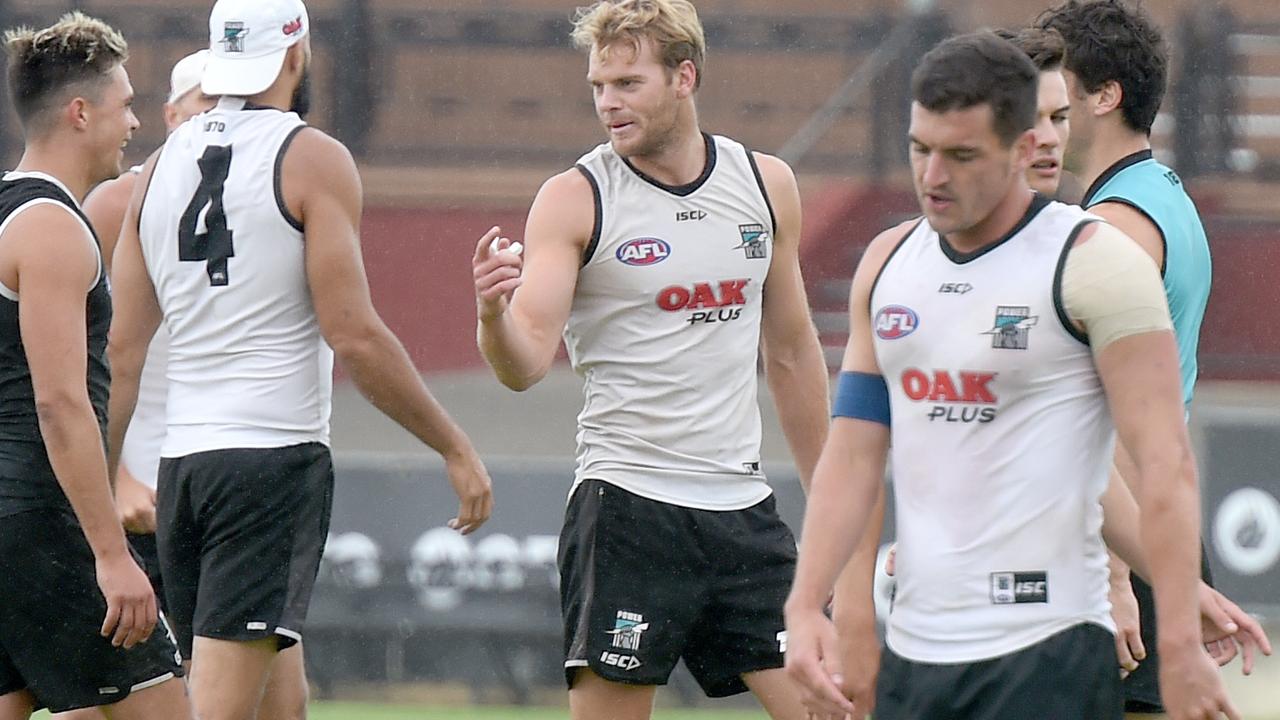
241,77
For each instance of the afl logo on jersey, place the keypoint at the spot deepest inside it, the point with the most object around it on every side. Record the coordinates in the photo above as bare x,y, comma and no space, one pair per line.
896,321
644,251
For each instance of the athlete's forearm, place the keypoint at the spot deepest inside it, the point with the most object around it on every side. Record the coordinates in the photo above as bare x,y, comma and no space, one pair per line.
1121,523
126,375
797,378
519,360
1170,537
385,376
838,511
853,608
73,441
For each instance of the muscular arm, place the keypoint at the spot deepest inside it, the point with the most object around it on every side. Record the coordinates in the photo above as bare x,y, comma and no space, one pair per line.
518,334
322,189
794,366
1139,370
55,267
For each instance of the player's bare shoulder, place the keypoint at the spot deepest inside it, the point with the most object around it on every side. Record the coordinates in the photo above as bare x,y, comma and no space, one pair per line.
880,249
567,206
783,192
318,165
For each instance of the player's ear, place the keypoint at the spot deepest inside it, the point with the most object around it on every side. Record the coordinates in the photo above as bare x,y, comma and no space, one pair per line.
1108,98
686,76
77,113
295,58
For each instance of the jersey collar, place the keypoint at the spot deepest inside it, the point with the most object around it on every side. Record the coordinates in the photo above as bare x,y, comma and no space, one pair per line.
690,188
1115,169
1038,203
37,175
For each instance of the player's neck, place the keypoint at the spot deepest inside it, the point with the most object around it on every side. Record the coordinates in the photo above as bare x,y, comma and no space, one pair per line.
1002,219
59,161
681,160
1110,145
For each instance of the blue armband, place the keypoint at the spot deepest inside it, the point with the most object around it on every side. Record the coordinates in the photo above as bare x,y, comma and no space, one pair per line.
862,396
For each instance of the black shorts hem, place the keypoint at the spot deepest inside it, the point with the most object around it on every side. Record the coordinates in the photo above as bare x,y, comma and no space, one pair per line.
112,699
1139,706
283,641
604,672
729,686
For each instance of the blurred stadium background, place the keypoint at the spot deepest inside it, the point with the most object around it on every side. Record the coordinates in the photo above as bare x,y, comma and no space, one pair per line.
458,109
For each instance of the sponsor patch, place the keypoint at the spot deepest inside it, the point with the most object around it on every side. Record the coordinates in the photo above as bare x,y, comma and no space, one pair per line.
1015,588
896,321
640,252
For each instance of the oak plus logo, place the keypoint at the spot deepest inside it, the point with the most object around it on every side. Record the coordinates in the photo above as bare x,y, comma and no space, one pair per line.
708,302
963,396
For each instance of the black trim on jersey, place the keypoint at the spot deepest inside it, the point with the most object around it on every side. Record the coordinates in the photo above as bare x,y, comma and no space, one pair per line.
894,251
683,190
764,192
1121,164
1038,203
278,177
599,215
1059,306
1164,243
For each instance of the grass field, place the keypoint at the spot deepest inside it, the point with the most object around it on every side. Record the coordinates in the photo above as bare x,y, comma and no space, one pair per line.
369,711
361,711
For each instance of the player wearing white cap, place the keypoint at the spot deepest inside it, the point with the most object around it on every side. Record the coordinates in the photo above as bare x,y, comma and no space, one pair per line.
243,239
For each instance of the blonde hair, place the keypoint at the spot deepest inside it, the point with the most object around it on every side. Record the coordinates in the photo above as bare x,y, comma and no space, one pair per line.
76,50
672,25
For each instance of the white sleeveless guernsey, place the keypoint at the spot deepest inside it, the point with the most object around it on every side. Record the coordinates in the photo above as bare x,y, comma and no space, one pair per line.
1001,444
665,330
247,365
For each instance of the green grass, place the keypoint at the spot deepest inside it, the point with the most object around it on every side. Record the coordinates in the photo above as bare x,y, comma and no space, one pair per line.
368,711
362,711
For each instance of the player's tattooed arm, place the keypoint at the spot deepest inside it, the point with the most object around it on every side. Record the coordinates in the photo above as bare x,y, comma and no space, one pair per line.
794,366
523,300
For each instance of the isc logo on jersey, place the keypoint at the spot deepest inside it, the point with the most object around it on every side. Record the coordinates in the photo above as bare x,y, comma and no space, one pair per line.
957,397
896,321
644,251
711,302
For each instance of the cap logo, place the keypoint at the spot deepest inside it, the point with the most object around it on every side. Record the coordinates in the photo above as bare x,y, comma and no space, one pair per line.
293,27
233,34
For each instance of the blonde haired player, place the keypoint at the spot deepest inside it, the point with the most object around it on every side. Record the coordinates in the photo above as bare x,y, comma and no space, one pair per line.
664,257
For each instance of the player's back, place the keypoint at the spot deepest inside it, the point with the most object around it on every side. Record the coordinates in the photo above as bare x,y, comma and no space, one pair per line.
247,364
1154,190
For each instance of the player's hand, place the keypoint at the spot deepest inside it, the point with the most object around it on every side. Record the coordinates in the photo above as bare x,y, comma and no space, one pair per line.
131,603
860,659
135,503
814,663
470,480
496,269
1124,610
891,560
1191,686
1228,630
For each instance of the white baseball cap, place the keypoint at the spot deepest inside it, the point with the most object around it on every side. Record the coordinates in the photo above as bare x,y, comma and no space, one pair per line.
247,43
187,74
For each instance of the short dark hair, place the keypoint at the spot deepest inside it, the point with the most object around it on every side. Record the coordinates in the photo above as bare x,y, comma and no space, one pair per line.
975,69
1114,40
75,51
1045,47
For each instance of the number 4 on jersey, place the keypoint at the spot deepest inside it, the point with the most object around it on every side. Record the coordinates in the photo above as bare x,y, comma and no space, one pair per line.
213,246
